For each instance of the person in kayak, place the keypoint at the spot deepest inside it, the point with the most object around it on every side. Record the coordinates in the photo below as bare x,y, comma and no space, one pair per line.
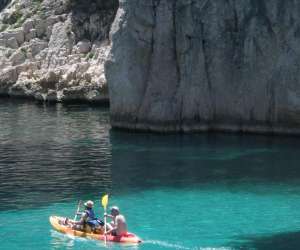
88,218
118,226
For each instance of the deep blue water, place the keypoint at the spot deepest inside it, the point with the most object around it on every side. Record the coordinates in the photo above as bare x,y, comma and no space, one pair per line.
205,191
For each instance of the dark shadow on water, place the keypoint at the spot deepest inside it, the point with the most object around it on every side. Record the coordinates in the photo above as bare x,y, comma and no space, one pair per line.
280,241
142,160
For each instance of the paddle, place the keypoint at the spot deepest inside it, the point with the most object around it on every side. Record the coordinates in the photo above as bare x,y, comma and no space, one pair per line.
104,204
77,211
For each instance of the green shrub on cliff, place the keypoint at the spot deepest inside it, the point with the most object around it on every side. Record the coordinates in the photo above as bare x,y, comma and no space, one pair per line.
24,51
13,18
90,56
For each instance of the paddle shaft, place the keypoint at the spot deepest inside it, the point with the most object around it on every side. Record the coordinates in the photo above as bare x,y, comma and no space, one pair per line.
104,202
77,211
105,225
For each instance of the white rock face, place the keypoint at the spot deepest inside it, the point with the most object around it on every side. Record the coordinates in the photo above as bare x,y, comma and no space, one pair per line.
18,57
205,65
18,34
45,55
28,25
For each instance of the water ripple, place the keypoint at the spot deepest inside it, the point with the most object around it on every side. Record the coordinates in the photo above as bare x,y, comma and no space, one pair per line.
52,153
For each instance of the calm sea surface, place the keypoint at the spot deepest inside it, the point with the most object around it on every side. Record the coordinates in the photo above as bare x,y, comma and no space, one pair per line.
206,191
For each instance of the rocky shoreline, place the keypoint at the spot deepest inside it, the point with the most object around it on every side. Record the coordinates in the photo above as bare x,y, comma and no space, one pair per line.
169,66
54,51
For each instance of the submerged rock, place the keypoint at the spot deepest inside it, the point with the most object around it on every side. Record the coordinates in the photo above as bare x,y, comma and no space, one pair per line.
193,65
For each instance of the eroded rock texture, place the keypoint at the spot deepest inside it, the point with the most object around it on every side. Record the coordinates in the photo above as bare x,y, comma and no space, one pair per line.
54,50
190,65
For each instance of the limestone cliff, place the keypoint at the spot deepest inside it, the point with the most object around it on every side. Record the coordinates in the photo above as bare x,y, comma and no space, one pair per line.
54,50
191,65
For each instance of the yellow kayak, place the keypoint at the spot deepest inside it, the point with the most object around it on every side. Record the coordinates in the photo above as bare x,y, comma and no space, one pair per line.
60,225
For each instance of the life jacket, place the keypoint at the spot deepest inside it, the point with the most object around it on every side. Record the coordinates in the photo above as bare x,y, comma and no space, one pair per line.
90,215
91,220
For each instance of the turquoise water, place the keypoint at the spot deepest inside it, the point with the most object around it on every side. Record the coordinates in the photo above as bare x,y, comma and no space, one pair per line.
207,191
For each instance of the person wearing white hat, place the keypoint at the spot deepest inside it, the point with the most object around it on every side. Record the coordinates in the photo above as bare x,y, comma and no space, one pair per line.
88,213
88,217
89,204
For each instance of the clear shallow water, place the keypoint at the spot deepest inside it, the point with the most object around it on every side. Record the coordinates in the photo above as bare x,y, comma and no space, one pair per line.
177,192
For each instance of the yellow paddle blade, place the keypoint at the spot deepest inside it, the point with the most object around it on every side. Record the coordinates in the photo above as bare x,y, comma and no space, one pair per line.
105,201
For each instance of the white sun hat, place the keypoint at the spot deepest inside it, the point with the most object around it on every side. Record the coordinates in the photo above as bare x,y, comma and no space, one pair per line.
89,204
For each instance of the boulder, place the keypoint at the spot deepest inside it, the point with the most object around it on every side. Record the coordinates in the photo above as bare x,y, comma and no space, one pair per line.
3,42
41,28
51,96
28,25
18,57
83,47
8,75
23,88
12,43
18,34
36,46
32,33
73,93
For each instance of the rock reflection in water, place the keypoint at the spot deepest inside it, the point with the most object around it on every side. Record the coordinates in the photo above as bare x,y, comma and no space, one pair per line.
52,153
